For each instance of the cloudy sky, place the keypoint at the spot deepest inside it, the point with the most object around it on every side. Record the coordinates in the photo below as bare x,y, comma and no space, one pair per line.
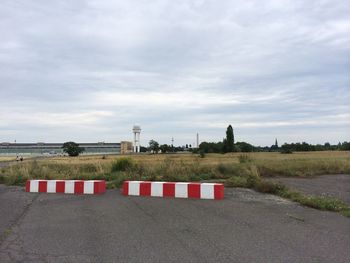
88,70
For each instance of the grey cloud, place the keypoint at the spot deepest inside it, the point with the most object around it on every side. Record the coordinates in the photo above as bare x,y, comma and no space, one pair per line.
175,67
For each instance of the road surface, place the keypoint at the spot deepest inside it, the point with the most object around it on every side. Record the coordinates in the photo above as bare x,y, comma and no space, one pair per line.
244,227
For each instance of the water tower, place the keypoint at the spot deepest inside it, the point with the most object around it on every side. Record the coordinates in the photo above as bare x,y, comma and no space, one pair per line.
136,130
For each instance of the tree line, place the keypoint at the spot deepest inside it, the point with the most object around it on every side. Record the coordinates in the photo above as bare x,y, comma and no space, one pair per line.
228,144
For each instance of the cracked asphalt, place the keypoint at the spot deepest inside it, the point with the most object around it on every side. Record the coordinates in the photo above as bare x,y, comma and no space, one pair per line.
244,227
335,185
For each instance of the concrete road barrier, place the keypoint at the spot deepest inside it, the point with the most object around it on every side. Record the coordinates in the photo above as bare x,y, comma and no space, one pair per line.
66,186
172,189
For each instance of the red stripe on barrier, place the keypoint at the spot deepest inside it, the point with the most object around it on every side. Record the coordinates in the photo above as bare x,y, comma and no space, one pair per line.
145,188
169,189
28,186
219,191
99,187
194,190
42,187
96,187
79,187
102,187
60,186
126,188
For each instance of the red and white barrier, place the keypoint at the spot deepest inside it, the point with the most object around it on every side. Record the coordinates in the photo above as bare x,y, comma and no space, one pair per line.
177,190
66,186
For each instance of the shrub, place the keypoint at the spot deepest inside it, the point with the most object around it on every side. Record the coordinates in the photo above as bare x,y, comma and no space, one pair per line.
286,151
87,168
122,164
268,187
225,168
236,181
244,158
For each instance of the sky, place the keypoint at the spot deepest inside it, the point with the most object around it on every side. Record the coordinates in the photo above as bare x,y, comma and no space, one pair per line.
88,70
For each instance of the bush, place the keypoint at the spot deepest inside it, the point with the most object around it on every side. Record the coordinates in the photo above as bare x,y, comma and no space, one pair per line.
236,181
286,151
115,180
225,168
122,164
201,154
244,158
268,187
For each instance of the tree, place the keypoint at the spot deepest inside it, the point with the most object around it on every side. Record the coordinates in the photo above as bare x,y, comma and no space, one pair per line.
165,148
211,147
345,146
143,149
230,140
153,146
275,146
72,148
245,147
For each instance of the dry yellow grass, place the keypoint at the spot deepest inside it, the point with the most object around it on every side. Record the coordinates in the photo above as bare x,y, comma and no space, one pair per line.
7,158
210,159
178,167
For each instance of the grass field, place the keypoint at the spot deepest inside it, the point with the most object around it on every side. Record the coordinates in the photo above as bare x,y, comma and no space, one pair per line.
180,167
7,158
235,170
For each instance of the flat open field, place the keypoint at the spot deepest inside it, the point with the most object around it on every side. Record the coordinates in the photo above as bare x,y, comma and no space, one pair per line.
179,167
213,158
235,170
7,158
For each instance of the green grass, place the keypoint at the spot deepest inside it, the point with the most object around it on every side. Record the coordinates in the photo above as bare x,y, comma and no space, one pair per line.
317,202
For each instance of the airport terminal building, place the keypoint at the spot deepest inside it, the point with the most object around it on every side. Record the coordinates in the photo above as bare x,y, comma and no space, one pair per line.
41,148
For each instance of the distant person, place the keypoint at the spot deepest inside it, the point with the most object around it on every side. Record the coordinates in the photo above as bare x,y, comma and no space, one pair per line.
17,158
21,158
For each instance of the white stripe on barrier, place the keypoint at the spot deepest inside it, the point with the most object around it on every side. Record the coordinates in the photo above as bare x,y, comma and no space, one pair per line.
181,190
157,189
51,186
88,187
134,188
69,187
66,186
34,186
207,191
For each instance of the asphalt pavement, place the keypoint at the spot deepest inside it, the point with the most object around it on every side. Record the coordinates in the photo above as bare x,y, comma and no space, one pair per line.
244,227
333,185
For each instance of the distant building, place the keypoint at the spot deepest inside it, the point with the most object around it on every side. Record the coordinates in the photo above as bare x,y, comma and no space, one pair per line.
136,131
126,147
42,148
